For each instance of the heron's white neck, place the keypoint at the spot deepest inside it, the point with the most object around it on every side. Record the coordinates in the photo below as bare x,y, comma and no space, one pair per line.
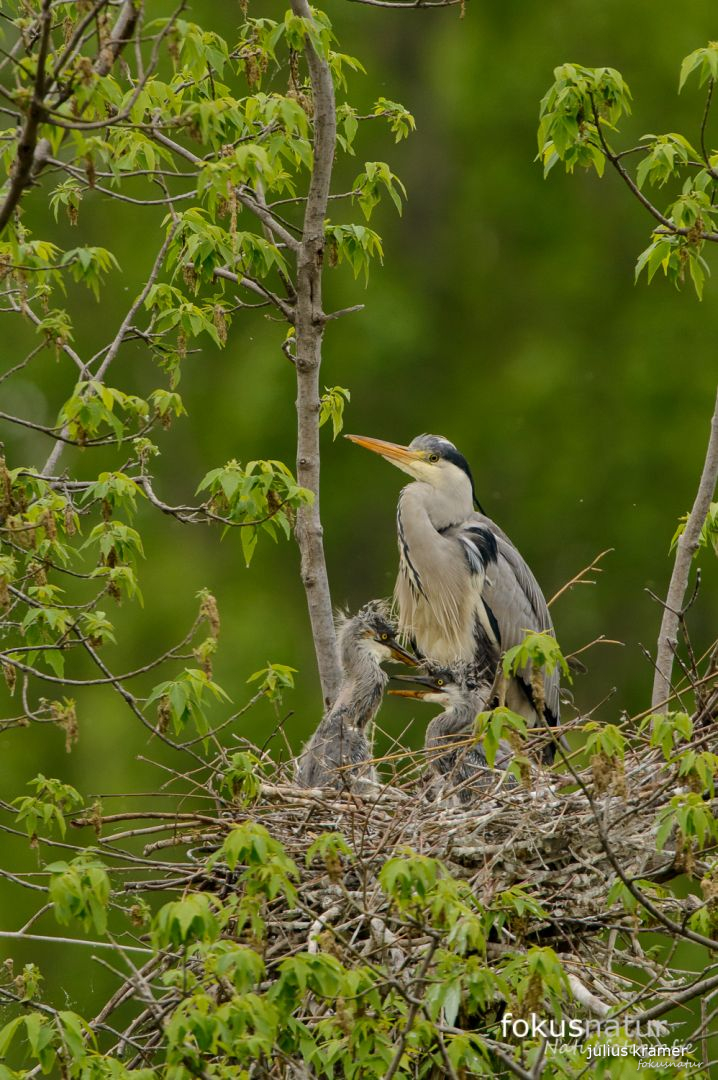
447,505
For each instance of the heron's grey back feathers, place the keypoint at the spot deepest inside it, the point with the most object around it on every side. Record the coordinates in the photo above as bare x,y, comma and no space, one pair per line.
513,594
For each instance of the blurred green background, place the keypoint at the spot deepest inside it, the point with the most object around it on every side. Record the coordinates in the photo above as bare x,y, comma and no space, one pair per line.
505,318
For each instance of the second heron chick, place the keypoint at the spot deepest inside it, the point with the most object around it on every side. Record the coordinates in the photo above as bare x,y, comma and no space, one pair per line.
456,760
340,751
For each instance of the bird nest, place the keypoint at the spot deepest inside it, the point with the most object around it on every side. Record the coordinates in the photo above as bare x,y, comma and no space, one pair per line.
563,839
538,835
389,882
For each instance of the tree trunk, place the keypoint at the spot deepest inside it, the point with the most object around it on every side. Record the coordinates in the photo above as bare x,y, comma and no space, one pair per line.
685,549
309,329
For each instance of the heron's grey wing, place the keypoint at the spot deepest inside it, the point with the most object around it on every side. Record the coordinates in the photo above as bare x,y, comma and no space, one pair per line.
515,598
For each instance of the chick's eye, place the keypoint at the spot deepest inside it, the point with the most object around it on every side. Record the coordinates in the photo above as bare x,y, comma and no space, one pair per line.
433,458
384,637
439,682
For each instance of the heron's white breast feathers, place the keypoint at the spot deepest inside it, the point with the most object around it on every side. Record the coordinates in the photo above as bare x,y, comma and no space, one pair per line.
440,618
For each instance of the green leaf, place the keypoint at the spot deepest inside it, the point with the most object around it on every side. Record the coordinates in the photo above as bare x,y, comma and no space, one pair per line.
7,1033
80,890
357,244
181,922
704,60
331,407
329,847
368,186
452,1002
539,649
605,739
492,727
242,780
275,679
40,1038
400,120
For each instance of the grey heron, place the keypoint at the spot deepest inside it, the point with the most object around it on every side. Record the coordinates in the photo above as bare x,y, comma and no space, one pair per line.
340,750
463,592
458,763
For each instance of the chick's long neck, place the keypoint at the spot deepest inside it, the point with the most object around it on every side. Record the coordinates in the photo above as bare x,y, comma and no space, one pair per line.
361,689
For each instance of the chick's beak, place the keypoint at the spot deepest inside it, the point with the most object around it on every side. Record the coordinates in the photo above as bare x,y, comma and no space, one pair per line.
394,452
401,655
425,682
420,694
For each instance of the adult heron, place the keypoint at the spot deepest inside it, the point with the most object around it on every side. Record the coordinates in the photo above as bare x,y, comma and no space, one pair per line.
463,592
340,751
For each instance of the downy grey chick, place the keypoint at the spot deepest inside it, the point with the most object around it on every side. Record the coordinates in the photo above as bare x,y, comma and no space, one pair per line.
340,750
457,765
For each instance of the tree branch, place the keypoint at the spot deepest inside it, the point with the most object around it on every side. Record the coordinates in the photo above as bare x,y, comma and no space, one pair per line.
309,326
32,154
22,168
410,5
258,289
17,935
685,549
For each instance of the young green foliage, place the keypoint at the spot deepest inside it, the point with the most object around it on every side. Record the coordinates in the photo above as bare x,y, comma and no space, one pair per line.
47,807
331,407
579,116
184,700
273,680
539,649
80,890
494,726
708,535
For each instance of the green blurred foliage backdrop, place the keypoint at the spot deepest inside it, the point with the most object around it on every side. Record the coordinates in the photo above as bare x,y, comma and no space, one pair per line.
505,317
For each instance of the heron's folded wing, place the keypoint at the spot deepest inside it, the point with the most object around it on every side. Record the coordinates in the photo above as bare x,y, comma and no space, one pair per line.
514,595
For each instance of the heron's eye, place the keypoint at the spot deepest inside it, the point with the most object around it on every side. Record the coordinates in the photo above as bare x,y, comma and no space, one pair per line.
433,458
384,637
439,682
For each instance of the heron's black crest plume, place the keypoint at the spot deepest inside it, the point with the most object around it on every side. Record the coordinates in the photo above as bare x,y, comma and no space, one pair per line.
439,444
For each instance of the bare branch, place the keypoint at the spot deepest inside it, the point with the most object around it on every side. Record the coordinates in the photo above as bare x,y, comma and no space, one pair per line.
411,5
685,549
137,304
17,935
581,577
705,164
267,218
258,289
114,346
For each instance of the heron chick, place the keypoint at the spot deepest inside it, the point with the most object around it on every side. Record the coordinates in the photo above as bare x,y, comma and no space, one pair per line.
456,760
463,591
340,751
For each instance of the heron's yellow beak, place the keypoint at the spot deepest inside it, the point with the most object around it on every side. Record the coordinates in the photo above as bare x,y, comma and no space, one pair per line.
409,693
402,455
